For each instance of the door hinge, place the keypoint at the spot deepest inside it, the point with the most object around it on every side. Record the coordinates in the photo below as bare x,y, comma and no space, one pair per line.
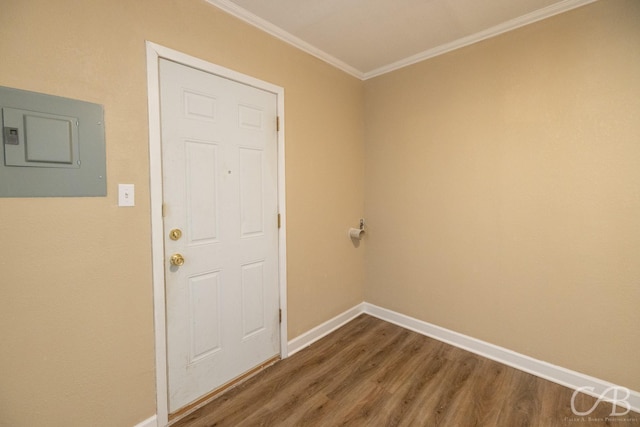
277,123
279,221
280,315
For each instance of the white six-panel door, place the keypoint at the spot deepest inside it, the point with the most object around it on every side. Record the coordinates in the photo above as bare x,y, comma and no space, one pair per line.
219,157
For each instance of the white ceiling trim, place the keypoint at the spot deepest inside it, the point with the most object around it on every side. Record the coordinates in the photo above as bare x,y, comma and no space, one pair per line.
283,35
254,20
512,24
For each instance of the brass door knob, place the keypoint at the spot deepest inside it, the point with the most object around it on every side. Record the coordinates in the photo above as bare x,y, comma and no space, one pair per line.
177,259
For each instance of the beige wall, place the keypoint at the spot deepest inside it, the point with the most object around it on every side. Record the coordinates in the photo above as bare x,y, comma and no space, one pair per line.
76,322
503,190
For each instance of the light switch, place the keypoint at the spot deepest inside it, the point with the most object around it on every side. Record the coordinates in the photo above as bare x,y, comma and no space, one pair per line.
126,195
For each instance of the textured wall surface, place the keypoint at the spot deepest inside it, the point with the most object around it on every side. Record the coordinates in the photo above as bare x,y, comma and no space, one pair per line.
75,276
503,190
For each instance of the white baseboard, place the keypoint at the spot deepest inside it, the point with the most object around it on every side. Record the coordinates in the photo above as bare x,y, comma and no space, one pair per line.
149,422
305,340
553,373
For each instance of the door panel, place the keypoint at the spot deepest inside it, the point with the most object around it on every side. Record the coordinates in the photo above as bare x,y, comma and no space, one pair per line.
219,150
201,166
204,315
251,192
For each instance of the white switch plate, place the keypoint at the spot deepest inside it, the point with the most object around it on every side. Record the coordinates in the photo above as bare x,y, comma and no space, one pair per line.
126,195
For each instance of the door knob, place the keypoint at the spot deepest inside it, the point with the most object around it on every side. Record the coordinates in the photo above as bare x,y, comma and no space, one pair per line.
177,259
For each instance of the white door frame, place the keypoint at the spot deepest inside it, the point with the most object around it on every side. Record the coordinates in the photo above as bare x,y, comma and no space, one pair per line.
154,53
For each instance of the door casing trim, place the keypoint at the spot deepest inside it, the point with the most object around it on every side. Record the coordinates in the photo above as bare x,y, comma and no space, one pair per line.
154,53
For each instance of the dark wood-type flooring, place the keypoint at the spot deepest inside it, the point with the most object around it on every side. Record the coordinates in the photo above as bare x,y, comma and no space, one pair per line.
373,373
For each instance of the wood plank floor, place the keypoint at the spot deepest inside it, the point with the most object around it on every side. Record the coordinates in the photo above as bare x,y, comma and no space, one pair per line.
373,373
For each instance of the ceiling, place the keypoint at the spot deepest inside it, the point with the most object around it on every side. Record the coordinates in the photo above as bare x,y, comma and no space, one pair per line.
367,38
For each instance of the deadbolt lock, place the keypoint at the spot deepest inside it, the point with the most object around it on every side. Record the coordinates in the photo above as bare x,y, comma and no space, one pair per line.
175,234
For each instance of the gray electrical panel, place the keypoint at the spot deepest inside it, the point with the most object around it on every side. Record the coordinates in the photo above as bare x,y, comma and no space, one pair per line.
51,146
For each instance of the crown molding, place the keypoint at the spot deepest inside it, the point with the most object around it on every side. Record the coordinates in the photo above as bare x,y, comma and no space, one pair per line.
254,20
266,26
507,26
